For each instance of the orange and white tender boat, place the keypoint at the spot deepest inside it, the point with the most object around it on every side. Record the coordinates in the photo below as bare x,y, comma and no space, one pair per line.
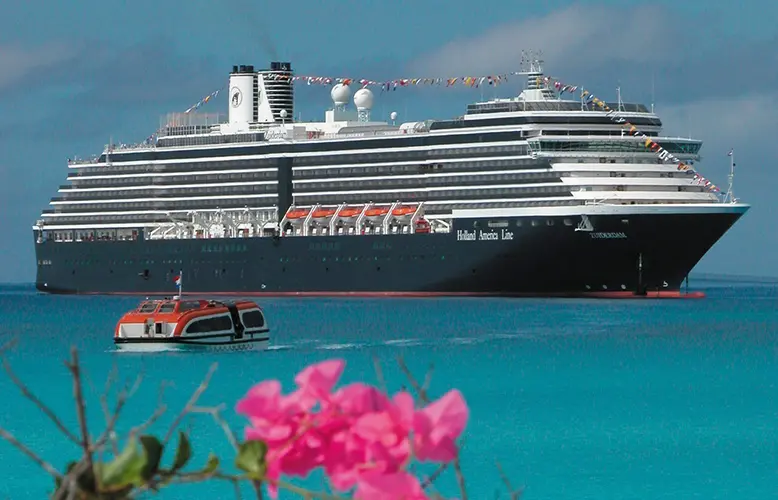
174,324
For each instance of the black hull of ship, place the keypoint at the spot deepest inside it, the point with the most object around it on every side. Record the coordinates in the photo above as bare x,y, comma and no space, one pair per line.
624,255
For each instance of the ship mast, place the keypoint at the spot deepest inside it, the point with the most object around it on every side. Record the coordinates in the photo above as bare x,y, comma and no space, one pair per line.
730,196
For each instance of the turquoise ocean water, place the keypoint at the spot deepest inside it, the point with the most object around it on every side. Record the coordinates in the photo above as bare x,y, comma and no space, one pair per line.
577,399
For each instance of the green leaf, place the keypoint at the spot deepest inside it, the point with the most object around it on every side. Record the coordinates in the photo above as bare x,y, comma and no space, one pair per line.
251,459
211,465
183,453
154,450
125,469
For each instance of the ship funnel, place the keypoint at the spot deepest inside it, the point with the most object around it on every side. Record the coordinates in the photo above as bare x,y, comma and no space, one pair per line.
275,92
241,94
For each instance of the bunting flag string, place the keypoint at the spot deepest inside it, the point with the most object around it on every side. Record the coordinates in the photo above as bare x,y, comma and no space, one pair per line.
203,101
664,155
586,96
393,84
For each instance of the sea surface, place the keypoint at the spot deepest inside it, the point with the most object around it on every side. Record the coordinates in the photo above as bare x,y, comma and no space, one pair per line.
576,399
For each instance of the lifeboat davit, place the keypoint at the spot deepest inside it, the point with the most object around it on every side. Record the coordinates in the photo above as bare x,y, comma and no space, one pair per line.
350,212
406,210
373,212
297,214
161,325
323,212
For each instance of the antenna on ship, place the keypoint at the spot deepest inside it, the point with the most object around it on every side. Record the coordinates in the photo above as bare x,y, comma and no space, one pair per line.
653,96
730,196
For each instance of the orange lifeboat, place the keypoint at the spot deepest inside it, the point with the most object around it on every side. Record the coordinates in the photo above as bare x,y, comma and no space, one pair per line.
323,212
297,214
373,212
350,212
406,210
422,226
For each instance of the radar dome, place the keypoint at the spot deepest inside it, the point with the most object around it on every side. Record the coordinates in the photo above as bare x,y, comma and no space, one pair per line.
393,115
363,99
283,113
340,94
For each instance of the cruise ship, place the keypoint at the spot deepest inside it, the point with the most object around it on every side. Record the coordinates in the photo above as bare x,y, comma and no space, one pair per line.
534,195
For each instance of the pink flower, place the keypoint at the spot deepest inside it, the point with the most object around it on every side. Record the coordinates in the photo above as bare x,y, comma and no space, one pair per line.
396,486
357,434
437,426
357,399
316,381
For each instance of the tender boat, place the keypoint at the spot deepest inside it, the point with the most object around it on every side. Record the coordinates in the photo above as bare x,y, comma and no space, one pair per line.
173,324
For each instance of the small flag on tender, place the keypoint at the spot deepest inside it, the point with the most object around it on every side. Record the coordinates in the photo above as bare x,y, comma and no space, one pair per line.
177,280
731,151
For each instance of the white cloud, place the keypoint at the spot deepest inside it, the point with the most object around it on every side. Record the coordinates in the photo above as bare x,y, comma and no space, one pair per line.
18,62
576,37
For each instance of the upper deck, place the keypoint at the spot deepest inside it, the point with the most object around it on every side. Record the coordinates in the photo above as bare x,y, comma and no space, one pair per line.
260,115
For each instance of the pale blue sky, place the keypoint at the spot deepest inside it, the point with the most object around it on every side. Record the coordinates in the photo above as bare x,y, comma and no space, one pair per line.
73,74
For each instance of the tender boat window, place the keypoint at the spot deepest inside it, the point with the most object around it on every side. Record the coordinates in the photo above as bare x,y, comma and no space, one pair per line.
253,319
188,306
148,307
208,325
167,307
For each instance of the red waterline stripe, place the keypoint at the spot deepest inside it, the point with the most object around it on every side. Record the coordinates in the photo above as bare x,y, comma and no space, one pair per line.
625,294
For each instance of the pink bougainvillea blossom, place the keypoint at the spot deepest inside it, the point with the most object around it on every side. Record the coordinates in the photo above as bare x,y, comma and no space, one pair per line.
360,437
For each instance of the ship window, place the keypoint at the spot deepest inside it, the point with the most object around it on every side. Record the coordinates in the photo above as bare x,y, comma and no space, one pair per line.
219,323
253,319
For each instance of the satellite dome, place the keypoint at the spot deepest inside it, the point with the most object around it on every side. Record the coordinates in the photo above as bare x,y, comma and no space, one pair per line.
393,115
340,94
363,99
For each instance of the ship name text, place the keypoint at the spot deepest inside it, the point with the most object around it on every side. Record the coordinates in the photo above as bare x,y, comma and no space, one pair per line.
608,236
477,235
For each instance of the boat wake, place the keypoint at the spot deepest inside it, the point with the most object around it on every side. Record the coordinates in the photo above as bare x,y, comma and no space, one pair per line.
401,343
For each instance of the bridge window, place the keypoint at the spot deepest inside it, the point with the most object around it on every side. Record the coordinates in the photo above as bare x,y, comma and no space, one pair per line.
148,307
188,306
167,307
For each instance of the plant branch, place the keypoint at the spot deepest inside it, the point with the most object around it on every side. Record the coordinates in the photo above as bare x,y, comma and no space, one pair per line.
190,404
428,378
69,485
514,494
113,417
302,491
37,402
30,454
160,410
420,391
110,435
215,413
434,476
380,374
424,398
75,370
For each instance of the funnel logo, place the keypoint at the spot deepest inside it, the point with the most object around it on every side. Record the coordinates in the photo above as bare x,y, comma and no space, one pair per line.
236,97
